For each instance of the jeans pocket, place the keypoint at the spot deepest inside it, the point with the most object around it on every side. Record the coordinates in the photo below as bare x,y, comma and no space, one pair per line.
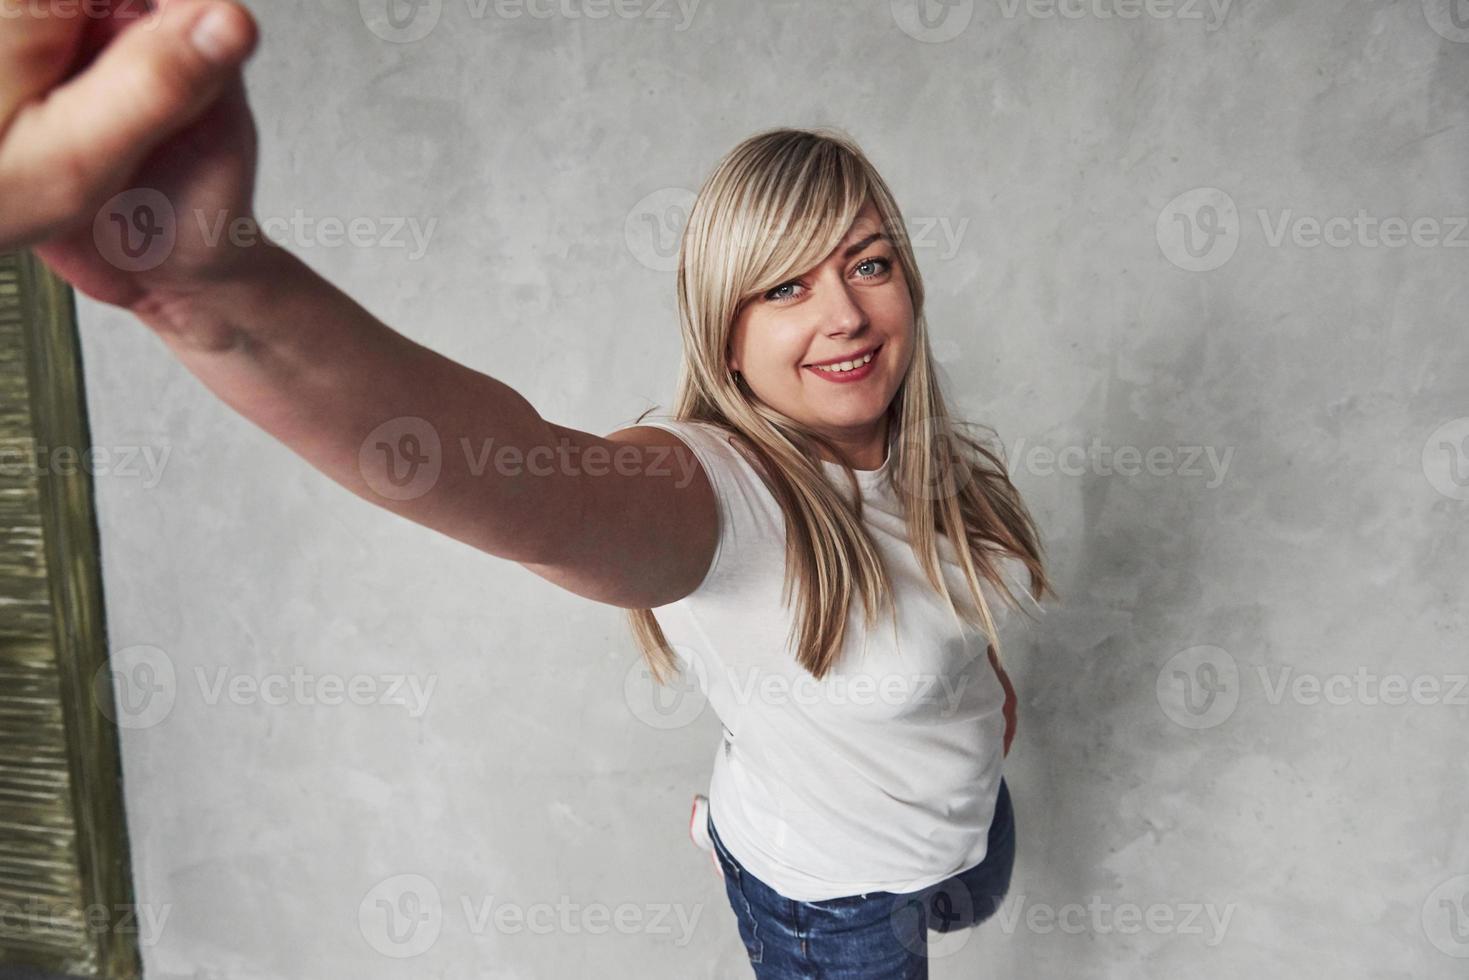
726,859
739,902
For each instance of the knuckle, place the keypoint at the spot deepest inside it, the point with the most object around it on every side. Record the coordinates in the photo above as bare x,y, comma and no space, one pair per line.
161,83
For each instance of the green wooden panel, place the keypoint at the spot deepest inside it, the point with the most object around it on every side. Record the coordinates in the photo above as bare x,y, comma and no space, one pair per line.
65,887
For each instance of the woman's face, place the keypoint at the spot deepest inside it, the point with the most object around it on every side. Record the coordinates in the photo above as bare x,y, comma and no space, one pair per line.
855,302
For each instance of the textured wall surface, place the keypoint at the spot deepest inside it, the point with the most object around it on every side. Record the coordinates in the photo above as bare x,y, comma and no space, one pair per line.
1202,266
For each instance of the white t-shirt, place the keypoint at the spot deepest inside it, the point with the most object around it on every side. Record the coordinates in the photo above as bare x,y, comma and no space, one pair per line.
883,775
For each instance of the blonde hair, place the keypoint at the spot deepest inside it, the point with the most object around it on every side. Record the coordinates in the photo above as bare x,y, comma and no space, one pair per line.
772,209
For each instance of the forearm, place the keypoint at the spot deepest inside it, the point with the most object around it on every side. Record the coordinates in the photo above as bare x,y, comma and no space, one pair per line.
306,363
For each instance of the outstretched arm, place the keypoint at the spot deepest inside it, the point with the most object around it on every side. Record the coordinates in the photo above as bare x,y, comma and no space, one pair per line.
123,131
628,520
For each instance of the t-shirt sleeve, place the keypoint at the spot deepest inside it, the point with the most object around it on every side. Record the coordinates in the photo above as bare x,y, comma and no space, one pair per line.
746,518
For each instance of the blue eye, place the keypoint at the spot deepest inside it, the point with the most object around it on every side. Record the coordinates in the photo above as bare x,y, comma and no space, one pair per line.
886,265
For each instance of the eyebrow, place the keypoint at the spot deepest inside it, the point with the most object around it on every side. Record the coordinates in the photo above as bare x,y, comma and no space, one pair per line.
853,249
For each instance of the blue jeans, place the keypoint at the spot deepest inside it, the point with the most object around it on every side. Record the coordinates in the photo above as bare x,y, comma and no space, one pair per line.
869,936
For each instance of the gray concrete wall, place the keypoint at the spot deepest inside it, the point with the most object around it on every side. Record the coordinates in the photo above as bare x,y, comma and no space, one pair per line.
1204,270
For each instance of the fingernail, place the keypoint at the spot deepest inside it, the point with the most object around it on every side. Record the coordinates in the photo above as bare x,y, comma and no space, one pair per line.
216,37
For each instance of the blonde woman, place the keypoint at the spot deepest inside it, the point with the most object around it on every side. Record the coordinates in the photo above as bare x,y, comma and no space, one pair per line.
787,534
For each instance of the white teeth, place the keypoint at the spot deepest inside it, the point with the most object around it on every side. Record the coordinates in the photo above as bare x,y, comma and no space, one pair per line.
845,365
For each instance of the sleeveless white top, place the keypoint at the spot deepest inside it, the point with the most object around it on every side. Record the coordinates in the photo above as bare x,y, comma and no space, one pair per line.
883,775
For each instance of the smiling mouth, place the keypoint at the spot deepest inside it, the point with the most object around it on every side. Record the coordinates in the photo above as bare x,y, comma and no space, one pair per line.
843,367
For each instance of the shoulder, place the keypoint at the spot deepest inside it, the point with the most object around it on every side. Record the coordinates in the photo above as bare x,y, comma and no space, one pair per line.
712,443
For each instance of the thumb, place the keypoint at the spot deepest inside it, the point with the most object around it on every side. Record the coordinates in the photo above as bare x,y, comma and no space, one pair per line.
149,82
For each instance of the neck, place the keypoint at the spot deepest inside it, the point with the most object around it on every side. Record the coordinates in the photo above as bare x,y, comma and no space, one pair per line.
865,450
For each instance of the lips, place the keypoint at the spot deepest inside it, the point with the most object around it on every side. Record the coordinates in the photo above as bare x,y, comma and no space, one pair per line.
851,376
845,357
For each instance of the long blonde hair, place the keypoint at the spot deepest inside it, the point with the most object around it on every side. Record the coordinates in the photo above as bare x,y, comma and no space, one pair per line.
772,209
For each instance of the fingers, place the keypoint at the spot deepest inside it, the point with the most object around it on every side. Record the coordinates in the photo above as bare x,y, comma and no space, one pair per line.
112,18
37,44
83,139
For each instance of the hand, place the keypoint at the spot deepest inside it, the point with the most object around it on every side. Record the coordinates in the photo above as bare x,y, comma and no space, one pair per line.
1010,701
99,99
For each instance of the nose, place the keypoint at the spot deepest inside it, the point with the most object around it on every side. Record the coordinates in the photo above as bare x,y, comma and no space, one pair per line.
840,312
